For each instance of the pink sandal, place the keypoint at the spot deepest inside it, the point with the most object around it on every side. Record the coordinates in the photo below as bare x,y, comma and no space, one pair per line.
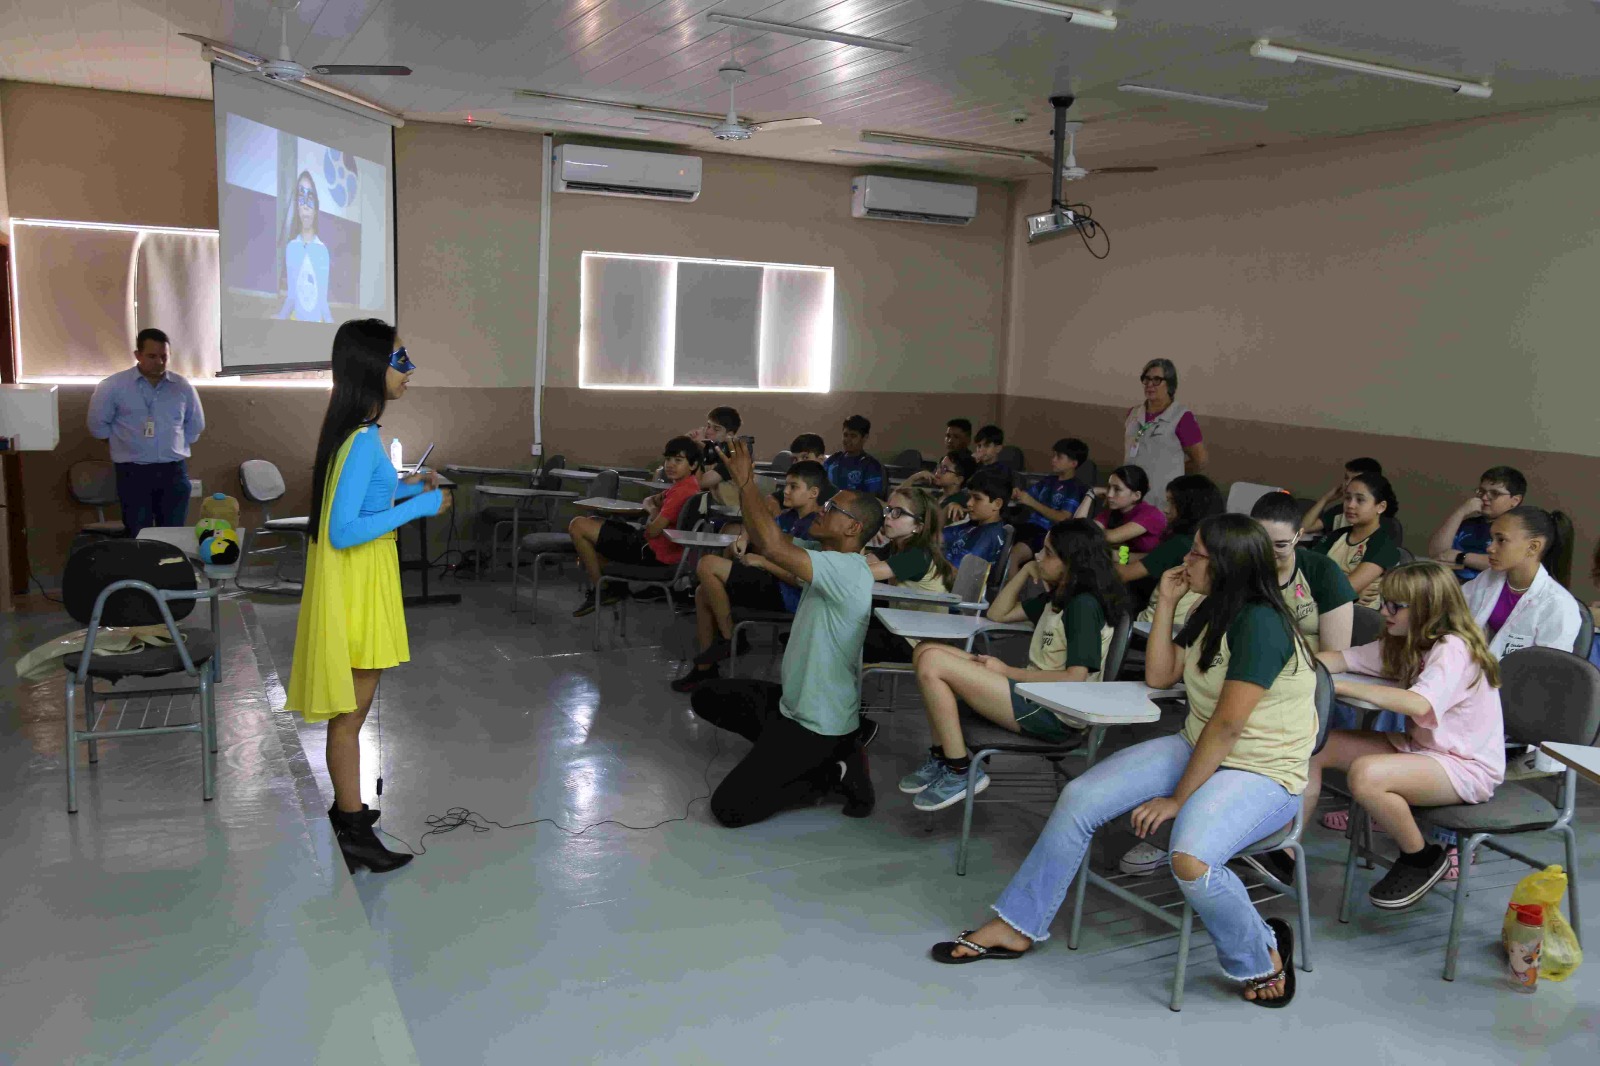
1339,822
1453,871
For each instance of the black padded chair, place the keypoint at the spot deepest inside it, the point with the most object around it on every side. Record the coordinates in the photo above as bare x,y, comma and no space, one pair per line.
1545,694
93,483
136,583
1366,626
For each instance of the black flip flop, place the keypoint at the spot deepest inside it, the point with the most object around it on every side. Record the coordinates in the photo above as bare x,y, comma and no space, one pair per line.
1285,935
945,951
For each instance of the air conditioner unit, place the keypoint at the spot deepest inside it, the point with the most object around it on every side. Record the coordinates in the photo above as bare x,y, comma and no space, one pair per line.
903,200
617,172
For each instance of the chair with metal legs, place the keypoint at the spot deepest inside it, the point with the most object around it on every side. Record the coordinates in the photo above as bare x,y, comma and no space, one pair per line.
968,585
262,484
1285,839
691,517
118,583
1545,694
552,546
985,740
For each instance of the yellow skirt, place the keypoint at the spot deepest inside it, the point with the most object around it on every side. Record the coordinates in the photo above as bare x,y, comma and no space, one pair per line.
351,618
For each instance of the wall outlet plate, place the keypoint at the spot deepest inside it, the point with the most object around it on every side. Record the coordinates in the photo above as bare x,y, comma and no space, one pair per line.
194,488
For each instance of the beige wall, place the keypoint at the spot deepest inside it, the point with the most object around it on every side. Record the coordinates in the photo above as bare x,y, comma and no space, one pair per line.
918,323
1427,284
1420,297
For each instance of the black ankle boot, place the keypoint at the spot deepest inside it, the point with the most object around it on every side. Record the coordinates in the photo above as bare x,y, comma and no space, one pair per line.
360,845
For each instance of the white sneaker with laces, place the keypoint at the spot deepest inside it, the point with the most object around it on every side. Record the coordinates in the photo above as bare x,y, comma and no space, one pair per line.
1142,860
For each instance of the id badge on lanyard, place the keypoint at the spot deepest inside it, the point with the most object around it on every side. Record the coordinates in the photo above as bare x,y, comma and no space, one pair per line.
150,428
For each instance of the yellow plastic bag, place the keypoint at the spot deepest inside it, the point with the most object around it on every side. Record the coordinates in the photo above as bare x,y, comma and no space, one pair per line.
1561,954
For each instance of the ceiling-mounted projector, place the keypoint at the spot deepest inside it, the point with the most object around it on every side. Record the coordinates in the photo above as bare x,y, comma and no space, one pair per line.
1051,222
1062,218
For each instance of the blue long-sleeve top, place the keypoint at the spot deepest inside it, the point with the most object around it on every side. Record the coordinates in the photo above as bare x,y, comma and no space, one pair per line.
306,269
367,500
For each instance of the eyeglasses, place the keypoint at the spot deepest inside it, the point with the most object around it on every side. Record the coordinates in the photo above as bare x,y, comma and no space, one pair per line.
1391,607
1490,494
1151,379
895,512
832,506
306,197
400,361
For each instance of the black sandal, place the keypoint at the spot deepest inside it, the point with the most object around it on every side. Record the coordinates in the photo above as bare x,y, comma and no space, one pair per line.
1285,935
945,951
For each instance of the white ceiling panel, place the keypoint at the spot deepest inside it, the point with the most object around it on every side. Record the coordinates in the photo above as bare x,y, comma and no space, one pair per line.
973,70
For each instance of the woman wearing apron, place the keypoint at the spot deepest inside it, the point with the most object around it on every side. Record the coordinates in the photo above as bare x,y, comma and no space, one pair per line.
1162,436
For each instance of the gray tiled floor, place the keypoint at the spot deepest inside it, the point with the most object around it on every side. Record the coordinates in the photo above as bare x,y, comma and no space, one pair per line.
153,928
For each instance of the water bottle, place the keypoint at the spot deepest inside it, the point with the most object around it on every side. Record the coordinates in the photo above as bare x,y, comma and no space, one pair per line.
396,455
1525,944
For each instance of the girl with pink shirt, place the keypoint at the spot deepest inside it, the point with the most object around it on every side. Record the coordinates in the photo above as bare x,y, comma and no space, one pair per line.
1128,517
1453,749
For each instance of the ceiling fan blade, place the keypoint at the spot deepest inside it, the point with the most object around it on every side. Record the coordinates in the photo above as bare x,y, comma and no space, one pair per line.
654,114
785,124
554,121
676,120
224,46
346,69
1124,170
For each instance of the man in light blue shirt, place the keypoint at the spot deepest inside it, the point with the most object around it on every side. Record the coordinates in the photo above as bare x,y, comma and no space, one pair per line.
805,732
151,417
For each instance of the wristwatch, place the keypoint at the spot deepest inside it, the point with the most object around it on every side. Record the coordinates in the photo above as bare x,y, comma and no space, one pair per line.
1461,558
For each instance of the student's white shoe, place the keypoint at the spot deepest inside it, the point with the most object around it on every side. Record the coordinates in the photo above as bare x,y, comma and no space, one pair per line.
1142,860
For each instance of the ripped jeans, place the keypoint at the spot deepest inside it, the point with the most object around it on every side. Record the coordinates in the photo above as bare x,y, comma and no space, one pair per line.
1233,809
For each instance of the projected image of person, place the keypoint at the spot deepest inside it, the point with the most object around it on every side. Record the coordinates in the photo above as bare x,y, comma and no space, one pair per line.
305,261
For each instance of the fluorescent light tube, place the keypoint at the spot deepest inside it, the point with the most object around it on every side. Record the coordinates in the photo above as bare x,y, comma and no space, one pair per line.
878,137
1268,50
1195,98
1078,16
791,30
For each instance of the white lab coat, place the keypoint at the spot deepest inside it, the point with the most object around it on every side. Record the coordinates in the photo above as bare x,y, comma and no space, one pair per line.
1546,616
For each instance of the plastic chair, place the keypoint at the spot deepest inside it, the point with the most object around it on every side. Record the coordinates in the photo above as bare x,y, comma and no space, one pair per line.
136,583
1242,495
691,517
968,585
1286,838
1366,626
985,740
1545,694
782,462
1011,456
93,483
261,483
553,545
1585,641
499,517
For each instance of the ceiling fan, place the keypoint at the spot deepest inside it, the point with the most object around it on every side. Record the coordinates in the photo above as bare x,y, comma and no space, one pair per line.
1071,171
729,127
285,69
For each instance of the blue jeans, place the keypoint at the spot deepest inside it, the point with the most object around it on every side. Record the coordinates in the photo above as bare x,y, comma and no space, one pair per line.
1233,809
1347,717
153,494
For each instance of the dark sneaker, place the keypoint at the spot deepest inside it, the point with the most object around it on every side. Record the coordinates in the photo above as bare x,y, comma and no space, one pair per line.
719,651
855,781
867,731
695,678
1277,864
650,593
614,594
585,608
1410,878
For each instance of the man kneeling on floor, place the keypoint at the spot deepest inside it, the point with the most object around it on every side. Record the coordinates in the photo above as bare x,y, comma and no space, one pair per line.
805,731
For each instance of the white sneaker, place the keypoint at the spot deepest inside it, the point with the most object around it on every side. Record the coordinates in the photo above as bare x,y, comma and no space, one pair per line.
1142,860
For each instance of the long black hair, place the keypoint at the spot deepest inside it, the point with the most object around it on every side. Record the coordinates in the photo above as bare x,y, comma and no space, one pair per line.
1382,492
1081,545
361,351
1194,498
1243,572
1555,528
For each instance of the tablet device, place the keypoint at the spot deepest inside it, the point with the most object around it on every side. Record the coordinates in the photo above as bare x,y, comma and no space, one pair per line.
417,466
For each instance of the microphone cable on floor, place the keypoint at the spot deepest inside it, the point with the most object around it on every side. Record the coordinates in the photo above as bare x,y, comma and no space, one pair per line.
466,818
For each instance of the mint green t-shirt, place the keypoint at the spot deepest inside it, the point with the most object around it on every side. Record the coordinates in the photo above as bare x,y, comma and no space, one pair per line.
821,689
